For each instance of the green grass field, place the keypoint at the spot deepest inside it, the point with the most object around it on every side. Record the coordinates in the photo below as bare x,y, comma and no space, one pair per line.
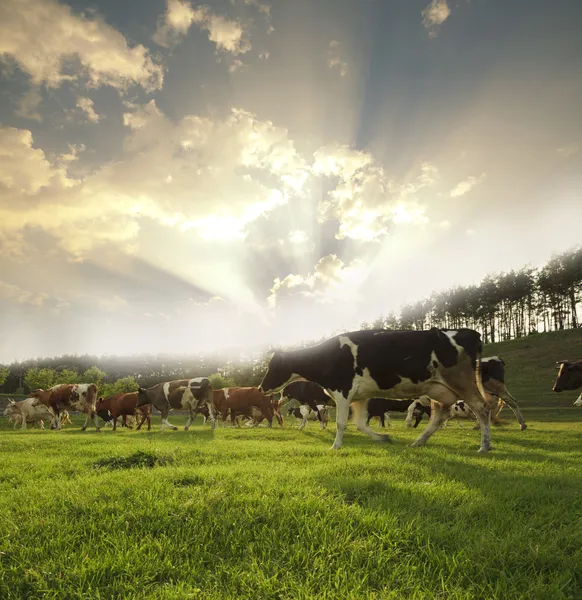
258,513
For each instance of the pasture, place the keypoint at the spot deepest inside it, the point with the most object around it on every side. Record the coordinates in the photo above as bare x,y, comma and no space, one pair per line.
274,514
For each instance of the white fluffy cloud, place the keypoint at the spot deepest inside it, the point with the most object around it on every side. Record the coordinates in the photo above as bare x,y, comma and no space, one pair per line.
196,174
465,186
52,44
365,200
434,15
86,105
228,34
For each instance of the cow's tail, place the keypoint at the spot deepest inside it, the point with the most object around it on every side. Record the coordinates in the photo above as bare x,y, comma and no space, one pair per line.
478,380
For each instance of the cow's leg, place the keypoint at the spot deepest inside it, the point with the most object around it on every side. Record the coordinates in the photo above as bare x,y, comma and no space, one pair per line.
165,422
114,419
382,422
42,425
341,418
313,406
87,418
23,426
512,403
410,414
360,412
303,422
190,417
438,417
482,410
211,413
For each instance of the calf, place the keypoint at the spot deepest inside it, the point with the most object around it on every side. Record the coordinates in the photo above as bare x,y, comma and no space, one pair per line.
256,416
182,393
379,407
25,411
308,393
122,405
241,400
307,414
441,363
79,396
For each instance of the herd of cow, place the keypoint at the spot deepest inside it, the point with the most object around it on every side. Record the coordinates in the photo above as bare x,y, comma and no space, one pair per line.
365,374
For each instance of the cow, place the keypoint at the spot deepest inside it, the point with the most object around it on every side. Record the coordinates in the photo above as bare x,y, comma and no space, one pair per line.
569,376
380,407
309,394
25,411
122,405
307,414
179,394
578,402
240,400
493,379
441,363
79,396
255,415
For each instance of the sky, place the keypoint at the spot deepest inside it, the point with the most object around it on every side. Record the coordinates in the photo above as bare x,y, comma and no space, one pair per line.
179,177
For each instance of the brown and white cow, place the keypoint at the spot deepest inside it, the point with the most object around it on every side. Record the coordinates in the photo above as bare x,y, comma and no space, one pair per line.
78,396
123,405
25,411
241,400
186,394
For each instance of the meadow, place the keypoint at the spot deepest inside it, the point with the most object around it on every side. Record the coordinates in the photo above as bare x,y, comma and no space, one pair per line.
274,514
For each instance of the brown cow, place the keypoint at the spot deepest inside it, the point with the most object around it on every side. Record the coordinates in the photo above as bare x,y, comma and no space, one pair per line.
79,396
121,405
241,400
178,394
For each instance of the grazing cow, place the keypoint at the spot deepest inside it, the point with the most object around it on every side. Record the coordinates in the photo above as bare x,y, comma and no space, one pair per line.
182,393
443,364
307,414
122,405
569,376
308,393
380,407
78,396
25,411
255,416
240,400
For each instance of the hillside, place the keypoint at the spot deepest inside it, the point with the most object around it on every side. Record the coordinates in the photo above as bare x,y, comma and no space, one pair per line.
531,366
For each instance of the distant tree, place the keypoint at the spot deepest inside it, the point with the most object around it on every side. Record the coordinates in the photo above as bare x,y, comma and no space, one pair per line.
66,376
219,381
4,372
124,385
36,378
95,375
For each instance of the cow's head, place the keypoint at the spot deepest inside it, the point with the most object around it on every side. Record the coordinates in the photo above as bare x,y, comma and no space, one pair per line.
279,373
11,409
569,376
142,397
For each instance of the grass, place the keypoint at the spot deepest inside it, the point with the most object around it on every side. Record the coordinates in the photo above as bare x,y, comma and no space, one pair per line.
273,514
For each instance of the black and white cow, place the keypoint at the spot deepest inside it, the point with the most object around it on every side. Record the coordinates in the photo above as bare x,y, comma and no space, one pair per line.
493,379
309,394
380,407
569,376
307,414
352,367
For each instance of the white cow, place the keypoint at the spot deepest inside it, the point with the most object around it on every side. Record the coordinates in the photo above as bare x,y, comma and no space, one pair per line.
25,411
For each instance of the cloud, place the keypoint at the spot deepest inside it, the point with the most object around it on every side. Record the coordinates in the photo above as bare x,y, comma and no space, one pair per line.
227,34
333,59
434,15
465,186
569,150
28,105
51,44
86,105
364,200
195,175
17,294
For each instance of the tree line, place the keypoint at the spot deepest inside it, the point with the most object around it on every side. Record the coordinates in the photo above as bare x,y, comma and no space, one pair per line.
502,307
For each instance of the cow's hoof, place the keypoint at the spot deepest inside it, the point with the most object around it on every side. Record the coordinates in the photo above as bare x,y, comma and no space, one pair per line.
98,429
417,444
335,447
523,427
186,428
483,450
175,428
385,439
83,428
